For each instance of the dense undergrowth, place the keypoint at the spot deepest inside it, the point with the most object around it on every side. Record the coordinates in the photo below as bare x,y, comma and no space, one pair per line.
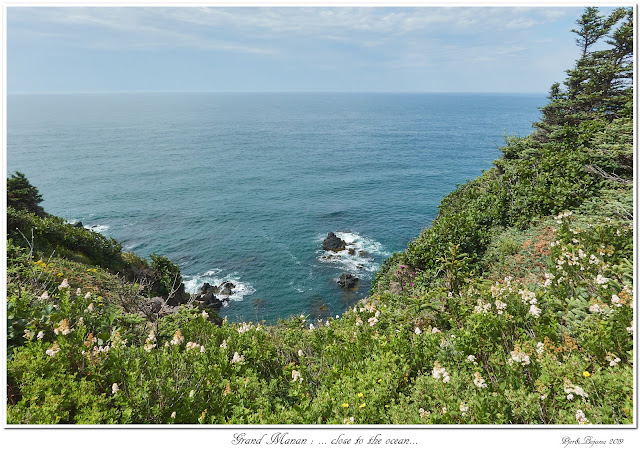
514,307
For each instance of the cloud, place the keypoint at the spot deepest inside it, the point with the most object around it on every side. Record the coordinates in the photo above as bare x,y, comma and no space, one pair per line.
130,28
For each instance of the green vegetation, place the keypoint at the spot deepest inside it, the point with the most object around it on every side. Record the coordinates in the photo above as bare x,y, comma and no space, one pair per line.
514,307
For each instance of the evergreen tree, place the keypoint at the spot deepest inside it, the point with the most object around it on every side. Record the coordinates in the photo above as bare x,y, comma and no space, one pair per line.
599,87
22,195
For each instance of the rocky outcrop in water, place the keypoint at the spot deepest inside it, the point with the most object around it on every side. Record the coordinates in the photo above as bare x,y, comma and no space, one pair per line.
333,243
348,281
213,296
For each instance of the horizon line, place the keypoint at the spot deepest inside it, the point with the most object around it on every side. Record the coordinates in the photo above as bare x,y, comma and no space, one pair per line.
25,93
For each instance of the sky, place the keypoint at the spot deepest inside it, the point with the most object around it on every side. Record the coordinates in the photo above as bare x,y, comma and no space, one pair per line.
249,49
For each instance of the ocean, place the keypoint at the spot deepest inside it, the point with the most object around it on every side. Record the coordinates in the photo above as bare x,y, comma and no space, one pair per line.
244,187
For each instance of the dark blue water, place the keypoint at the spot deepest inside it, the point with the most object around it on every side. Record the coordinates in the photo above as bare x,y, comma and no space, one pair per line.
244,187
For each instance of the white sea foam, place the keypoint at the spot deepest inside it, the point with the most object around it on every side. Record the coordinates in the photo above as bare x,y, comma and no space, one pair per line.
192,284
98,228
355,263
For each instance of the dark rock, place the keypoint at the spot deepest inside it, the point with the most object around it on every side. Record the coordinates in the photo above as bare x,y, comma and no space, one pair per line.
213,302
207,288
333,243
77,225
363,253
155,304
352,251
227,288
179,297
348,281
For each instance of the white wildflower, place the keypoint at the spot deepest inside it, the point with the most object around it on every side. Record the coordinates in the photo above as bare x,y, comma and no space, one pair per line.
439,372
311,327
177,338
478,380
27,334
464,408
78,292
417,331
580,417
63,328
595,308
201,349
114,388
295,375
40,335
204,314
191,345
613,360
602,280
528,297
150,342
244,327
373,321
44,296
224,344
435,330
534,310
593,260
53,350
517,355
500,306
571,389
173,414
64,284
237,358
89,308
300,353
482,307
472,358
192,393
615,300
358,321
630,328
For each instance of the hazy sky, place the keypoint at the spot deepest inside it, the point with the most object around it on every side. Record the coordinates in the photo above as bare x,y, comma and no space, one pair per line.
423,49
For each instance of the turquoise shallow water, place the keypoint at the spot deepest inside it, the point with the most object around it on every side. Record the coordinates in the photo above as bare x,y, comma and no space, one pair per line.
244,187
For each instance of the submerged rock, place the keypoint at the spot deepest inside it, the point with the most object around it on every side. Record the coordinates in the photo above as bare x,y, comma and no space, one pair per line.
348,281
77,225
333,243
